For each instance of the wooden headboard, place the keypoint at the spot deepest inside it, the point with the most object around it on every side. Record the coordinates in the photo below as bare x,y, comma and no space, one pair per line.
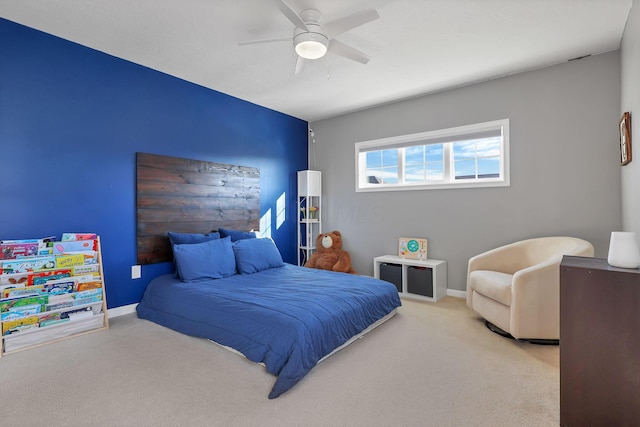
191,196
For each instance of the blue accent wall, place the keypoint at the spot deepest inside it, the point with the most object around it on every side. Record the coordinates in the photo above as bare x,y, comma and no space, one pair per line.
71,122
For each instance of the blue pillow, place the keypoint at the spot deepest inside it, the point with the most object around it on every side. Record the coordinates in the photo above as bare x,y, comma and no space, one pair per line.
184,238
213,259
236,234
189,238
253,255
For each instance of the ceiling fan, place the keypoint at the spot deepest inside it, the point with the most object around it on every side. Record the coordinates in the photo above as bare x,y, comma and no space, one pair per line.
312,39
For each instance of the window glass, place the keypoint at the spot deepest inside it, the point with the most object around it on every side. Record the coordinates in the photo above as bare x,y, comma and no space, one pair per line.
489,168
390,175
414,154
389,157
415,173
435,152
374,159
465,168
473,155
435,172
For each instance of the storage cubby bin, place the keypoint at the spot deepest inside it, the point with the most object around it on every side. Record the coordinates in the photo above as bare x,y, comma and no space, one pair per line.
392,273
420,281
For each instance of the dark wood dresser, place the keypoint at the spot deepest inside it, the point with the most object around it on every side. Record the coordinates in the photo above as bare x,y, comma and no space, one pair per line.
599,344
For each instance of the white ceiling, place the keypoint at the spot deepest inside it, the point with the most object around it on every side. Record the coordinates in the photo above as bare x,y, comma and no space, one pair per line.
416,46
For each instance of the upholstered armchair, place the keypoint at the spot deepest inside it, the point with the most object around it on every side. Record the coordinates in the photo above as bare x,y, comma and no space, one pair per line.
516,287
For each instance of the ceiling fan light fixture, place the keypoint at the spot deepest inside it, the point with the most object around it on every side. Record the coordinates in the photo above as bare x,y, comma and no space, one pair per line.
311,45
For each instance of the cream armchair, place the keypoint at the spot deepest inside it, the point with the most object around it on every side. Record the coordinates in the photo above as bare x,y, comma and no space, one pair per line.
517,287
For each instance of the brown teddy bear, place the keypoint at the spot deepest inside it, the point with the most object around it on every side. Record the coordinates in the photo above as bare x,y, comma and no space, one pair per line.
329,254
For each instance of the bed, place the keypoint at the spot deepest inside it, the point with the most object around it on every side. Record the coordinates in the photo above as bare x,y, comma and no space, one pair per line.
284,316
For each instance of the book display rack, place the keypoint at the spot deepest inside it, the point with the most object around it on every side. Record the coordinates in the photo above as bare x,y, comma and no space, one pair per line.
50,289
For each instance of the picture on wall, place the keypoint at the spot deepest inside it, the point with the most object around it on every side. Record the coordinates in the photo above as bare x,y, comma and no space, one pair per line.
625,139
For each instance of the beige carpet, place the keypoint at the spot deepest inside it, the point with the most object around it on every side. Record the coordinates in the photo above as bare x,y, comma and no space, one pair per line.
433,364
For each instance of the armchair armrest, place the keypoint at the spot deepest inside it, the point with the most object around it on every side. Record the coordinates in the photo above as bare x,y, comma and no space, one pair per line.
535,295
505,259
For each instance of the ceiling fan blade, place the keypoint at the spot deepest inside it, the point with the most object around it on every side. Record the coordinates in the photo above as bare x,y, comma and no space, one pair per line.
338,26
264,41
300,65
292,15
348,52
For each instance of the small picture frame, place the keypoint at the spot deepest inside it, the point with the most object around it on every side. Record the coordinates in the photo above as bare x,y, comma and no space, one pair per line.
625,139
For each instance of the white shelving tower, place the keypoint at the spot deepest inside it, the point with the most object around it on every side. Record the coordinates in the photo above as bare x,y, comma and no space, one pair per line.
309,220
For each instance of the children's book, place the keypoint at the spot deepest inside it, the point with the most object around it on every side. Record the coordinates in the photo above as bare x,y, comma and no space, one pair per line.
88,296
9,304
12,326
85,286
57,302
10,249
5,289
51,319
23,311
14,279
90,257
42,276
59,287
89,293
60,248
23,291
79,270
50,322
89,300
69,260
78,236
14,249
78,314
87,278
19,241
27,264
44,242
45,251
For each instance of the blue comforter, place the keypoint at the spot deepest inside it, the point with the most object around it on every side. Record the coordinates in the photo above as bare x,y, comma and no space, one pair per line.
287,318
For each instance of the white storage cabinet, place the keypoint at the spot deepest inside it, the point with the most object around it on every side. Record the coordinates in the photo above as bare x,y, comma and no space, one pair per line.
419,279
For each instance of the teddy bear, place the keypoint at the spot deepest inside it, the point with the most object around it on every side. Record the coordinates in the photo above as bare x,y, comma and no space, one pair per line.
329,254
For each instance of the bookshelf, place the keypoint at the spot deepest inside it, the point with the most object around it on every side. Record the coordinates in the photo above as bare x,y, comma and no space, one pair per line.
50,289
309,213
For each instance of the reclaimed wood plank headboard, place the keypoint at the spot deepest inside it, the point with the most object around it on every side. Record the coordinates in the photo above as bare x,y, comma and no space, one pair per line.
190,196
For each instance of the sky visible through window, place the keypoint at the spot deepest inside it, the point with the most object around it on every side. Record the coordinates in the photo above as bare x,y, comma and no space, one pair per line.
383,165
478,158
472,159
424,163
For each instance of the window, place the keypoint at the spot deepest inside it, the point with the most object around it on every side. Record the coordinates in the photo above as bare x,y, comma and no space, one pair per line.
467,156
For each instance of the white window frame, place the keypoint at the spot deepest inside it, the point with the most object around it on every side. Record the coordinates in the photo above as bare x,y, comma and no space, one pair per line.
445,136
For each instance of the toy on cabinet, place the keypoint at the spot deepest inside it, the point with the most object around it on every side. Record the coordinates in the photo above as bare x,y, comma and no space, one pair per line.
412,248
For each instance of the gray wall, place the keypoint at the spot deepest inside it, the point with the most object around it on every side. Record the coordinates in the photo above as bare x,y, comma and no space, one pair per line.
565,177
630,65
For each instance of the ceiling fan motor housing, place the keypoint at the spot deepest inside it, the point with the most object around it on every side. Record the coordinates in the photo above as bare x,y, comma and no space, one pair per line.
313,42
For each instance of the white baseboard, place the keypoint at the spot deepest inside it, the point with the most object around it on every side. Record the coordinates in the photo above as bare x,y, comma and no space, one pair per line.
456,293
122,310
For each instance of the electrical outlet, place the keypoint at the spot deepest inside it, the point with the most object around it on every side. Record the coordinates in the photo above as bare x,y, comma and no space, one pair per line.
136,272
